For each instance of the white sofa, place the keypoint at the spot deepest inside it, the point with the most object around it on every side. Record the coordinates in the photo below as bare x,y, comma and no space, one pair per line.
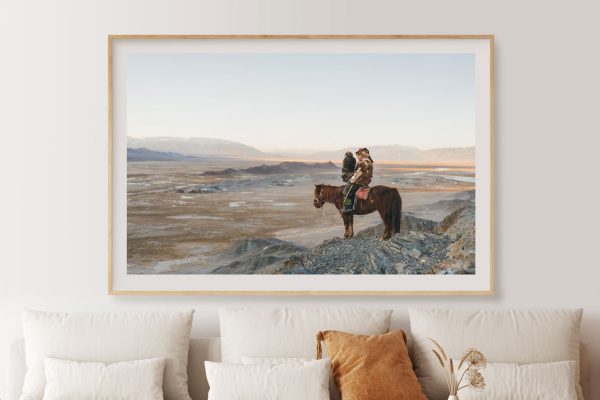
523,337
201,349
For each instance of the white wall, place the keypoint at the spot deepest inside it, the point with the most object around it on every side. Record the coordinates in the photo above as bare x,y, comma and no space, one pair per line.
53,148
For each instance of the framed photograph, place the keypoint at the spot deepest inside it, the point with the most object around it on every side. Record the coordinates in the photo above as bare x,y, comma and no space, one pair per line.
301,164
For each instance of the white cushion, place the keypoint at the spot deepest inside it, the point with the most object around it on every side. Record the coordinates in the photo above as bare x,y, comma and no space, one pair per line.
521,337
290,381
544,381
334,393
108,338
287,332
73,380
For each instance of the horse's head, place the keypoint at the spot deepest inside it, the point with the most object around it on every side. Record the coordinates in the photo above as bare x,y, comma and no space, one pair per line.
318,200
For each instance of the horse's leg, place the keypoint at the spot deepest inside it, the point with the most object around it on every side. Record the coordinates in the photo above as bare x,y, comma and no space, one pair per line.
386,217
345,218
351,225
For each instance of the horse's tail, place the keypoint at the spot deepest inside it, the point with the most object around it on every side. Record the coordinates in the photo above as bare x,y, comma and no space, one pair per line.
396,211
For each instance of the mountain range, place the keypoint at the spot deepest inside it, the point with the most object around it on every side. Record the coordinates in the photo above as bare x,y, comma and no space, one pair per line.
144,154
196,147
211,147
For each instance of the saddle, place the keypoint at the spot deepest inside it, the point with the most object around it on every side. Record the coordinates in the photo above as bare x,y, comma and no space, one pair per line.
362,192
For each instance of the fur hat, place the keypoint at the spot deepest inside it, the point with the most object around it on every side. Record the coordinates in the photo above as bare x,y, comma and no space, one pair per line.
363,151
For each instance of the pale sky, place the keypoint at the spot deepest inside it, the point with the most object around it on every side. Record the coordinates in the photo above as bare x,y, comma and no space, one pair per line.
305,101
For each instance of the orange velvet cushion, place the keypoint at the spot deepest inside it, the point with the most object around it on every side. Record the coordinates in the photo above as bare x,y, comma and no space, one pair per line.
373,367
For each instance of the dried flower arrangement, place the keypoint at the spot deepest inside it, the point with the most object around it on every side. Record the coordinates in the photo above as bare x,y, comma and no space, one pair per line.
470,364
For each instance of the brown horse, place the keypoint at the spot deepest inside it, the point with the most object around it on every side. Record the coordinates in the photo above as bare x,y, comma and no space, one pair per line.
383,199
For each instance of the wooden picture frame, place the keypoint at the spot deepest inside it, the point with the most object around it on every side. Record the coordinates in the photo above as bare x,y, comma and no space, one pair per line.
120,282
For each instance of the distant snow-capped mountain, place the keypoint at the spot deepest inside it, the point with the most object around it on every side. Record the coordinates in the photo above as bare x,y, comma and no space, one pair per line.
196,146
203,147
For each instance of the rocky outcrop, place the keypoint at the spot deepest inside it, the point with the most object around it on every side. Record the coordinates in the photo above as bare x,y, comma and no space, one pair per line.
256,255
464,195
414,253
409,223
459,227
441,209
422,247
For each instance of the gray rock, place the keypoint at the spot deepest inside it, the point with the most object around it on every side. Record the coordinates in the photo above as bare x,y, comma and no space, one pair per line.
256,255
414,253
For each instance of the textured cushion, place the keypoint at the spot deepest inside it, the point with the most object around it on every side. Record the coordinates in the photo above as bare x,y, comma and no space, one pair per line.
73,380
521,337
545,381
375,367
107,338
289,381
334,393
290,332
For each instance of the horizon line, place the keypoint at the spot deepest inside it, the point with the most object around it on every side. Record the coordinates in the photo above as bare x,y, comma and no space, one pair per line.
298,150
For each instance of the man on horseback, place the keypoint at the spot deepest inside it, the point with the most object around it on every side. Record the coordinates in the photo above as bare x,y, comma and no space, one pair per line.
361,177
383,199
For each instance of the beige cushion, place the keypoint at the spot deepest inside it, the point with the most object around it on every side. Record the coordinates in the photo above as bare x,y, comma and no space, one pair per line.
285,332
521,337
289,332
308,380
107,338
547,381
74,380
201,349
334,393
